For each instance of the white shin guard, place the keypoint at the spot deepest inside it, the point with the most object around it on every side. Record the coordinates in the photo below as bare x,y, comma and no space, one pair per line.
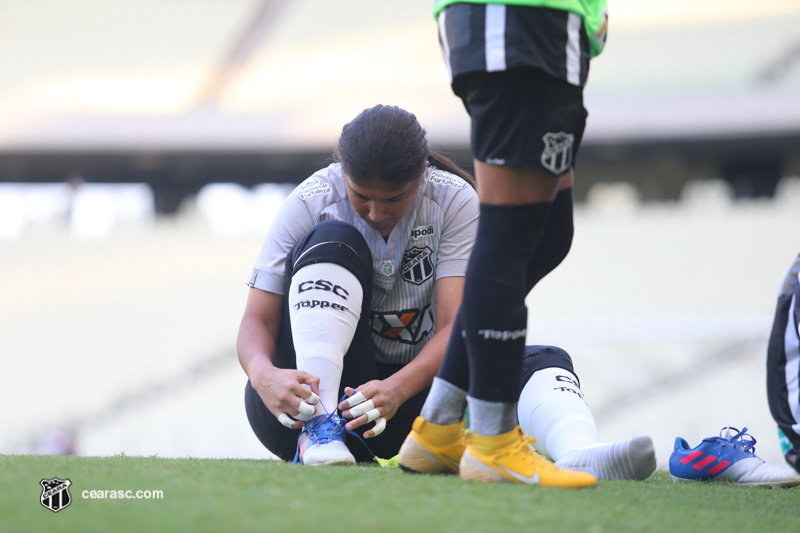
551,408
324,308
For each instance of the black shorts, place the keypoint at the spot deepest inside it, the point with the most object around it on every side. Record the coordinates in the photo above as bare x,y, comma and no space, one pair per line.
523,118
521,80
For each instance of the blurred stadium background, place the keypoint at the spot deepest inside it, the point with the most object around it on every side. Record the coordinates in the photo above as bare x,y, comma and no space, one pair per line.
144,146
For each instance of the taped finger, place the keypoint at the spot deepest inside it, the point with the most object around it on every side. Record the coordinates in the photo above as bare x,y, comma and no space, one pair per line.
361,408
313,399
306,409
355,399
372,415
303,417
284,419
380,425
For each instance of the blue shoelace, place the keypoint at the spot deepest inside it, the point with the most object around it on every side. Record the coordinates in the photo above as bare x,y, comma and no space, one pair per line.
741,440
327,428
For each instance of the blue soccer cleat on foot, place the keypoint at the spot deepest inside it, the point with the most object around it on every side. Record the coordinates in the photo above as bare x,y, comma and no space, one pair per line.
730,457
322,442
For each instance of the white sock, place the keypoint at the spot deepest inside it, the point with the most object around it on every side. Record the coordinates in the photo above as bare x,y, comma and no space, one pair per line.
551,408
634,458
324,307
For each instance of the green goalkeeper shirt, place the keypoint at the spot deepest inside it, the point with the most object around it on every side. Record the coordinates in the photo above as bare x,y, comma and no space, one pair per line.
594,13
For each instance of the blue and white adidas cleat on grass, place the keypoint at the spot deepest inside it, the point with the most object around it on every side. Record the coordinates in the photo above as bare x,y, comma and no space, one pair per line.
730,457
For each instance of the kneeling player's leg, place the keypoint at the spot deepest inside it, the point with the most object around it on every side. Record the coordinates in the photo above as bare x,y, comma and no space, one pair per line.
325,330
329,270
552,409
551,406
324,321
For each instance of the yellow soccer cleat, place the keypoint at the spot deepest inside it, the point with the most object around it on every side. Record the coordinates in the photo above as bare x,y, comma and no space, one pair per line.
510,458
432,448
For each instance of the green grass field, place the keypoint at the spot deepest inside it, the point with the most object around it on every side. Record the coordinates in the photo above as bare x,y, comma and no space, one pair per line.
265,496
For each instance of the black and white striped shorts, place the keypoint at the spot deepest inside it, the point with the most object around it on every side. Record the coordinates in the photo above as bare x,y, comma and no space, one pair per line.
497,37
520,72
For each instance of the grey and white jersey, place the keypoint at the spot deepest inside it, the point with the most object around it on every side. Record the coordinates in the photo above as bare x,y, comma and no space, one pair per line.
431,241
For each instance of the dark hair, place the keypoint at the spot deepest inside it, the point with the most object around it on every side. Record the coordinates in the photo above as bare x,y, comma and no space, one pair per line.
383,143
387,143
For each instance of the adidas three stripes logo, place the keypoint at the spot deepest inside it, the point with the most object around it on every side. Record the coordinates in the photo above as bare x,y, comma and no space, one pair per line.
706,462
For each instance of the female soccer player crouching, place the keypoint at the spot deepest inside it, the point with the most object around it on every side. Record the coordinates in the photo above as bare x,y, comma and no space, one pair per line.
357,284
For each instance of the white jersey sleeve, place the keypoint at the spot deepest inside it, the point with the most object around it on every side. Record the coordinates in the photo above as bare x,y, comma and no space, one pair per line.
301,210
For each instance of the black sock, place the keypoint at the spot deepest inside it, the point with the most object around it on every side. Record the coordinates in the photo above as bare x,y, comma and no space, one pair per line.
556,240
493,310
552,250
455,366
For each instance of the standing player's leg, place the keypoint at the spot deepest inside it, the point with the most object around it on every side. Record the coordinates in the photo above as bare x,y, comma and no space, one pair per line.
494,318
436,443
525,131
495,321
783,366
552,409
517,184
494,313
